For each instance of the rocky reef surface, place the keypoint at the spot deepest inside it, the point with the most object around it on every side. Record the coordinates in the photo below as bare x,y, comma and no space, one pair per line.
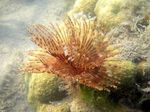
127,22
130,26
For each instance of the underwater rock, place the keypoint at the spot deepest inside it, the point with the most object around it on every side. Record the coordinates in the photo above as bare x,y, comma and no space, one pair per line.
44,88
134,44
100,101
109,11
84,6
135,47
145,103
79,105
134,40
61,107
121,67
127,93
113,12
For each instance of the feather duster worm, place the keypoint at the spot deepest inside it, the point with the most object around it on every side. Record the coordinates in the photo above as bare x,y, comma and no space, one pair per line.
73,50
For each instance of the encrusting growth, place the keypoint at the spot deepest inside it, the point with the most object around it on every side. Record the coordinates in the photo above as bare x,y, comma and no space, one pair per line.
75,50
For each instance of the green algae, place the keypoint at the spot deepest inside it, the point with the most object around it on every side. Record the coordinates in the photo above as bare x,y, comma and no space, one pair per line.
100,100
62,107
84,6
44,88
121,68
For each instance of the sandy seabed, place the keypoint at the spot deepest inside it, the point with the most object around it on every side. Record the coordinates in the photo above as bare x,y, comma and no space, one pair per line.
15,17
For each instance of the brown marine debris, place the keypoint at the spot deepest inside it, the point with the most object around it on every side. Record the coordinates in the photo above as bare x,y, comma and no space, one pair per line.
75,50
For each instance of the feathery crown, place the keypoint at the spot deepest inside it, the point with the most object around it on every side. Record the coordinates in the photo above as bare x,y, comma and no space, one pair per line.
73,50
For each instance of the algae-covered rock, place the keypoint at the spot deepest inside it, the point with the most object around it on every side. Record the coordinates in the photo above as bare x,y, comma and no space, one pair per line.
79,105
134,43
113,12
44,87
85,6
62,107
121,68
109,11
145,103
96,101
